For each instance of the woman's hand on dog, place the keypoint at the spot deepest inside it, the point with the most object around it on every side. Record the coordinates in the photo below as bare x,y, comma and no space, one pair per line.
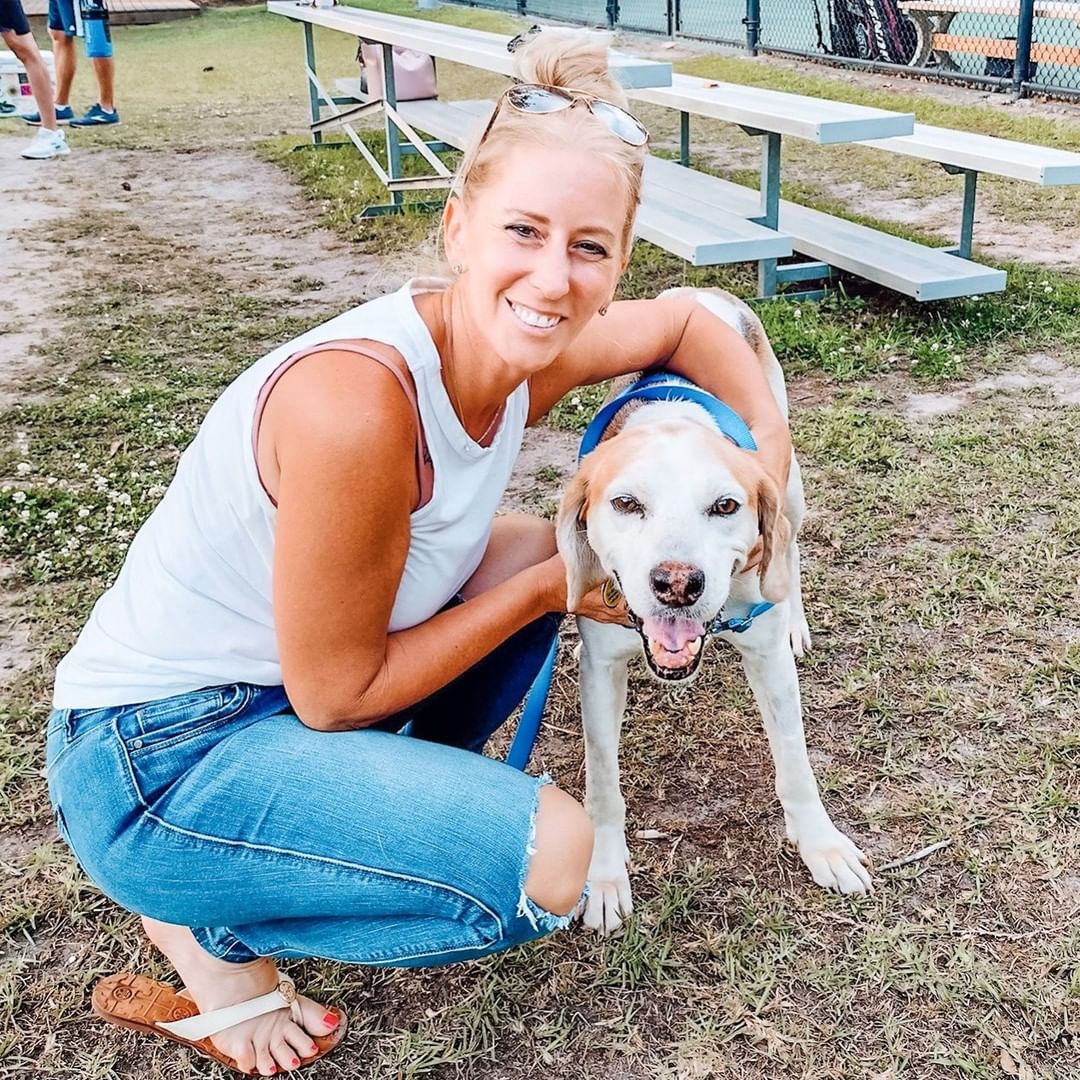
603,603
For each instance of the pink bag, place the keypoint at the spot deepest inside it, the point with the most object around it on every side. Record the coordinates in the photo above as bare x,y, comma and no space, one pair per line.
414,72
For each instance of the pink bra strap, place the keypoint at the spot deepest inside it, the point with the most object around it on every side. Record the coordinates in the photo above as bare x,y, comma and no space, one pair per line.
425,473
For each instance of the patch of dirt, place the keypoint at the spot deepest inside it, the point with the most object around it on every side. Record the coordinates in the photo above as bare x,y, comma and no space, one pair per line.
16,655
995,237
1036,372
239,214
547,461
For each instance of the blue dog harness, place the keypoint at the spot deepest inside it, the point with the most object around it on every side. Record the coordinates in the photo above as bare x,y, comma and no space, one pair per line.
663,386
666,386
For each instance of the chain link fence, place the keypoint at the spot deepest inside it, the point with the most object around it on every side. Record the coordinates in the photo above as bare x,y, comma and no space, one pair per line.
1022,45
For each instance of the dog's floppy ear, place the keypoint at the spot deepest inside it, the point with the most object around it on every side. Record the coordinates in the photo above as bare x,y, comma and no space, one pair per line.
583,569
775,537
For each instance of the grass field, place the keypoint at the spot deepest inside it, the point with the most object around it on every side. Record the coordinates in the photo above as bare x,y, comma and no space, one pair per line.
942,573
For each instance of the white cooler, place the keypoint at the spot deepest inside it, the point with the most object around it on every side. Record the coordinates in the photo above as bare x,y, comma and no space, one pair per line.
14,85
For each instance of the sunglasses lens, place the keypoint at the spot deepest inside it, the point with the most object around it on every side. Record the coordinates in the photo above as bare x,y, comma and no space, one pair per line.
620,123
537,99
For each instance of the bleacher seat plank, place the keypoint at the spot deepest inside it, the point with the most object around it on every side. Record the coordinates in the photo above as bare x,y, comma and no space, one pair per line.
1043,165
1051,9
1005,49
773,110
918,271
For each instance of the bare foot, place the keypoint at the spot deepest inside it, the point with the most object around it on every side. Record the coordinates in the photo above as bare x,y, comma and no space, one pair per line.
272,1043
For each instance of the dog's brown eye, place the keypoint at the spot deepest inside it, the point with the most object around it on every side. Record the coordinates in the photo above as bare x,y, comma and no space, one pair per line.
723,508
627,504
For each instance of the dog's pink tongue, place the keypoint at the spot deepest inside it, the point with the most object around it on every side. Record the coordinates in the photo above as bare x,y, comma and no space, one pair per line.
673,634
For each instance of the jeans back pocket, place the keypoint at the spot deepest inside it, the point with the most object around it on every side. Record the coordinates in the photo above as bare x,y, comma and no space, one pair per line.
163,739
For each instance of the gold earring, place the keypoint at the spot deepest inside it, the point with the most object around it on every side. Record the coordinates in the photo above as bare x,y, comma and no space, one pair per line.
603,310
458,268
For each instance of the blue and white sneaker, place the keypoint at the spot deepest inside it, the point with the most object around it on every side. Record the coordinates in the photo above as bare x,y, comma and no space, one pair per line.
64,115
96,116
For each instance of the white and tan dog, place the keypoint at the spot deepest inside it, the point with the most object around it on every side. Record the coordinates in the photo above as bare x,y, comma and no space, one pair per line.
673,512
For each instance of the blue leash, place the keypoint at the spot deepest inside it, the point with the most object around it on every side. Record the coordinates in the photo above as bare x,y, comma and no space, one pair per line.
533,712
660,387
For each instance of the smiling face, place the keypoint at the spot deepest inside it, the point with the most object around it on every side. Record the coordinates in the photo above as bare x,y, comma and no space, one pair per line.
671,511
542,242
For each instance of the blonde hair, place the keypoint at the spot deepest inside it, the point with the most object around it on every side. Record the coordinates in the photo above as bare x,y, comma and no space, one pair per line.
571,60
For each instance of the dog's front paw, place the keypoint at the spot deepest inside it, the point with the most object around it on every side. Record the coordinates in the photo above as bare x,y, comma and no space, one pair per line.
834,862
609,901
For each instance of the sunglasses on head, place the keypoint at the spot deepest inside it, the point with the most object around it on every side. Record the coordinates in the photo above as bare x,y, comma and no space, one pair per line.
539,100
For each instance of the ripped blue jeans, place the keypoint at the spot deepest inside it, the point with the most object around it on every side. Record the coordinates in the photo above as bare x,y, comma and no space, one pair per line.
219,810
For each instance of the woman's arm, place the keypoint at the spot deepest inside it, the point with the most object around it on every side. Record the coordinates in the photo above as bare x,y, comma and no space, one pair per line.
678,334
344,476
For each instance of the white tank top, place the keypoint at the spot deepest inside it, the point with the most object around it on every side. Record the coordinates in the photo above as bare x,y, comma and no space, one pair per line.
191,606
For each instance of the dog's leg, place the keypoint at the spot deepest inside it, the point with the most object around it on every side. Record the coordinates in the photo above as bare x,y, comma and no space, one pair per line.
799,628
832,859
795,508
605,652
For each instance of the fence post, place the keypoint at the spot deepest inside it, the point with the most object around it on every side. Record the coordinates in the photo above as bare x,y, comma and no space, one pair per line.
753,25
1023,46
521,7
612,13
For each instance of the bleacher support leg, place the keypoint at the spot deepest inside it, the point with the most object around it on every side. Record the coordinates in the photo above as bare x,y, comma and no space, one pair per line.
967,217
393,136
770,206
684,139
313,94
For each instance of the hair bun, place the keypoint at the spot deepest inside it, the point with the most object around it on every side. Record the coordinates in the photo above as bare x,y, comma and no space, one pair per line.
570,59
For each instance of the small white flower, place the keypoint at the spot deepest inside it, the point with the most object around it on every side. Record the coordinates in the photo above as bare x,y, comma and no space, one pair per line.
52,517
84,511
19,497
24,515
80,528
797,313
24,467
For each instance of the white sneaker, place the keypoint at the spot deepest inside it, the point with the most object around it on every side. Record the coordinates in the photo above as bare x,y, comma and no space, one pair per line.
47,144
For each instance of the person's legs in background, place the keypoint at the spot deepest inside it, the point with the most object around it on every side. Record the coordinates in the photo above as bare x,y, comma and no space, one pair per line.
99,49
15,31
63,43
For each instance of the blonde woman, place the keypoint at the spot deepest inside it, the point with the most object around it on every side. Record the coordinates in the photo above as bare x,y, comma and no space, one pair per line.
266,740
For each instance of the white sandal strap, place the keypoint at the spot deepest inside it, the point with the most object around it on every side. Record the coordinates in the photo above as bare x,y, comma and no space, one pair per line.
203,1025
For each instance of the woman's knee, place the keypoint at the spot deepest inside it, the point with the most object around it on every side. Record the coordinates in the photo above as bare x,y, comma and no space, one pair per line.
560,864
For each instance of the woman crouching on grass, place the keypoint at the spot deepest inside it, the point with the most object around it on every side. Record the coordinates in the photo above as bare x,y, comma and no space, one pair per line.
326,570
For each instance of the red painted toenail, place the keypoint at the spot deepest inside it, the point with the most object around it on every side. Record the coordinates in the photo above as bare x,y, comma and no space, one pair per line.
295,1061
330,1020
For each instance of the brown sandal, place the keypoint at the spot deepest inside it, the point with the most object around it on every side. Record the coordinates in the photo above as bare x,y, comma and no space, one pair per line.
142,1004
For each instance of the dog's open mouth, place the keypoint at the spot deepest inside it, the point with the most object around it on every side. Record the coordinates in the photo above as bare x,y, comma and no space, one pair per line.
672,646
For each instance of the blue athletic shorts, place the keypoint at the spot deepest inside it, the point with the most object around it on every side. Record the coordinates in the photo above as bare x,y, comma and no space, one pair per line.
96,35
13,18
62,16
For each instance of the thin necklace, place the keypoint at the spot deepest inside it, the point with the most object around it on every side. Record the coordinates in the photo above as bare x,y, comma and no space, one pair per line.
456,405
448,383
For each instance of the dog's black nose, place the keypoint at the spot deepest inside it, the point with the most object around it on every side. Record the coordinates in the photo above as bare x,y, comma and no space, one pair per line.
677,584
